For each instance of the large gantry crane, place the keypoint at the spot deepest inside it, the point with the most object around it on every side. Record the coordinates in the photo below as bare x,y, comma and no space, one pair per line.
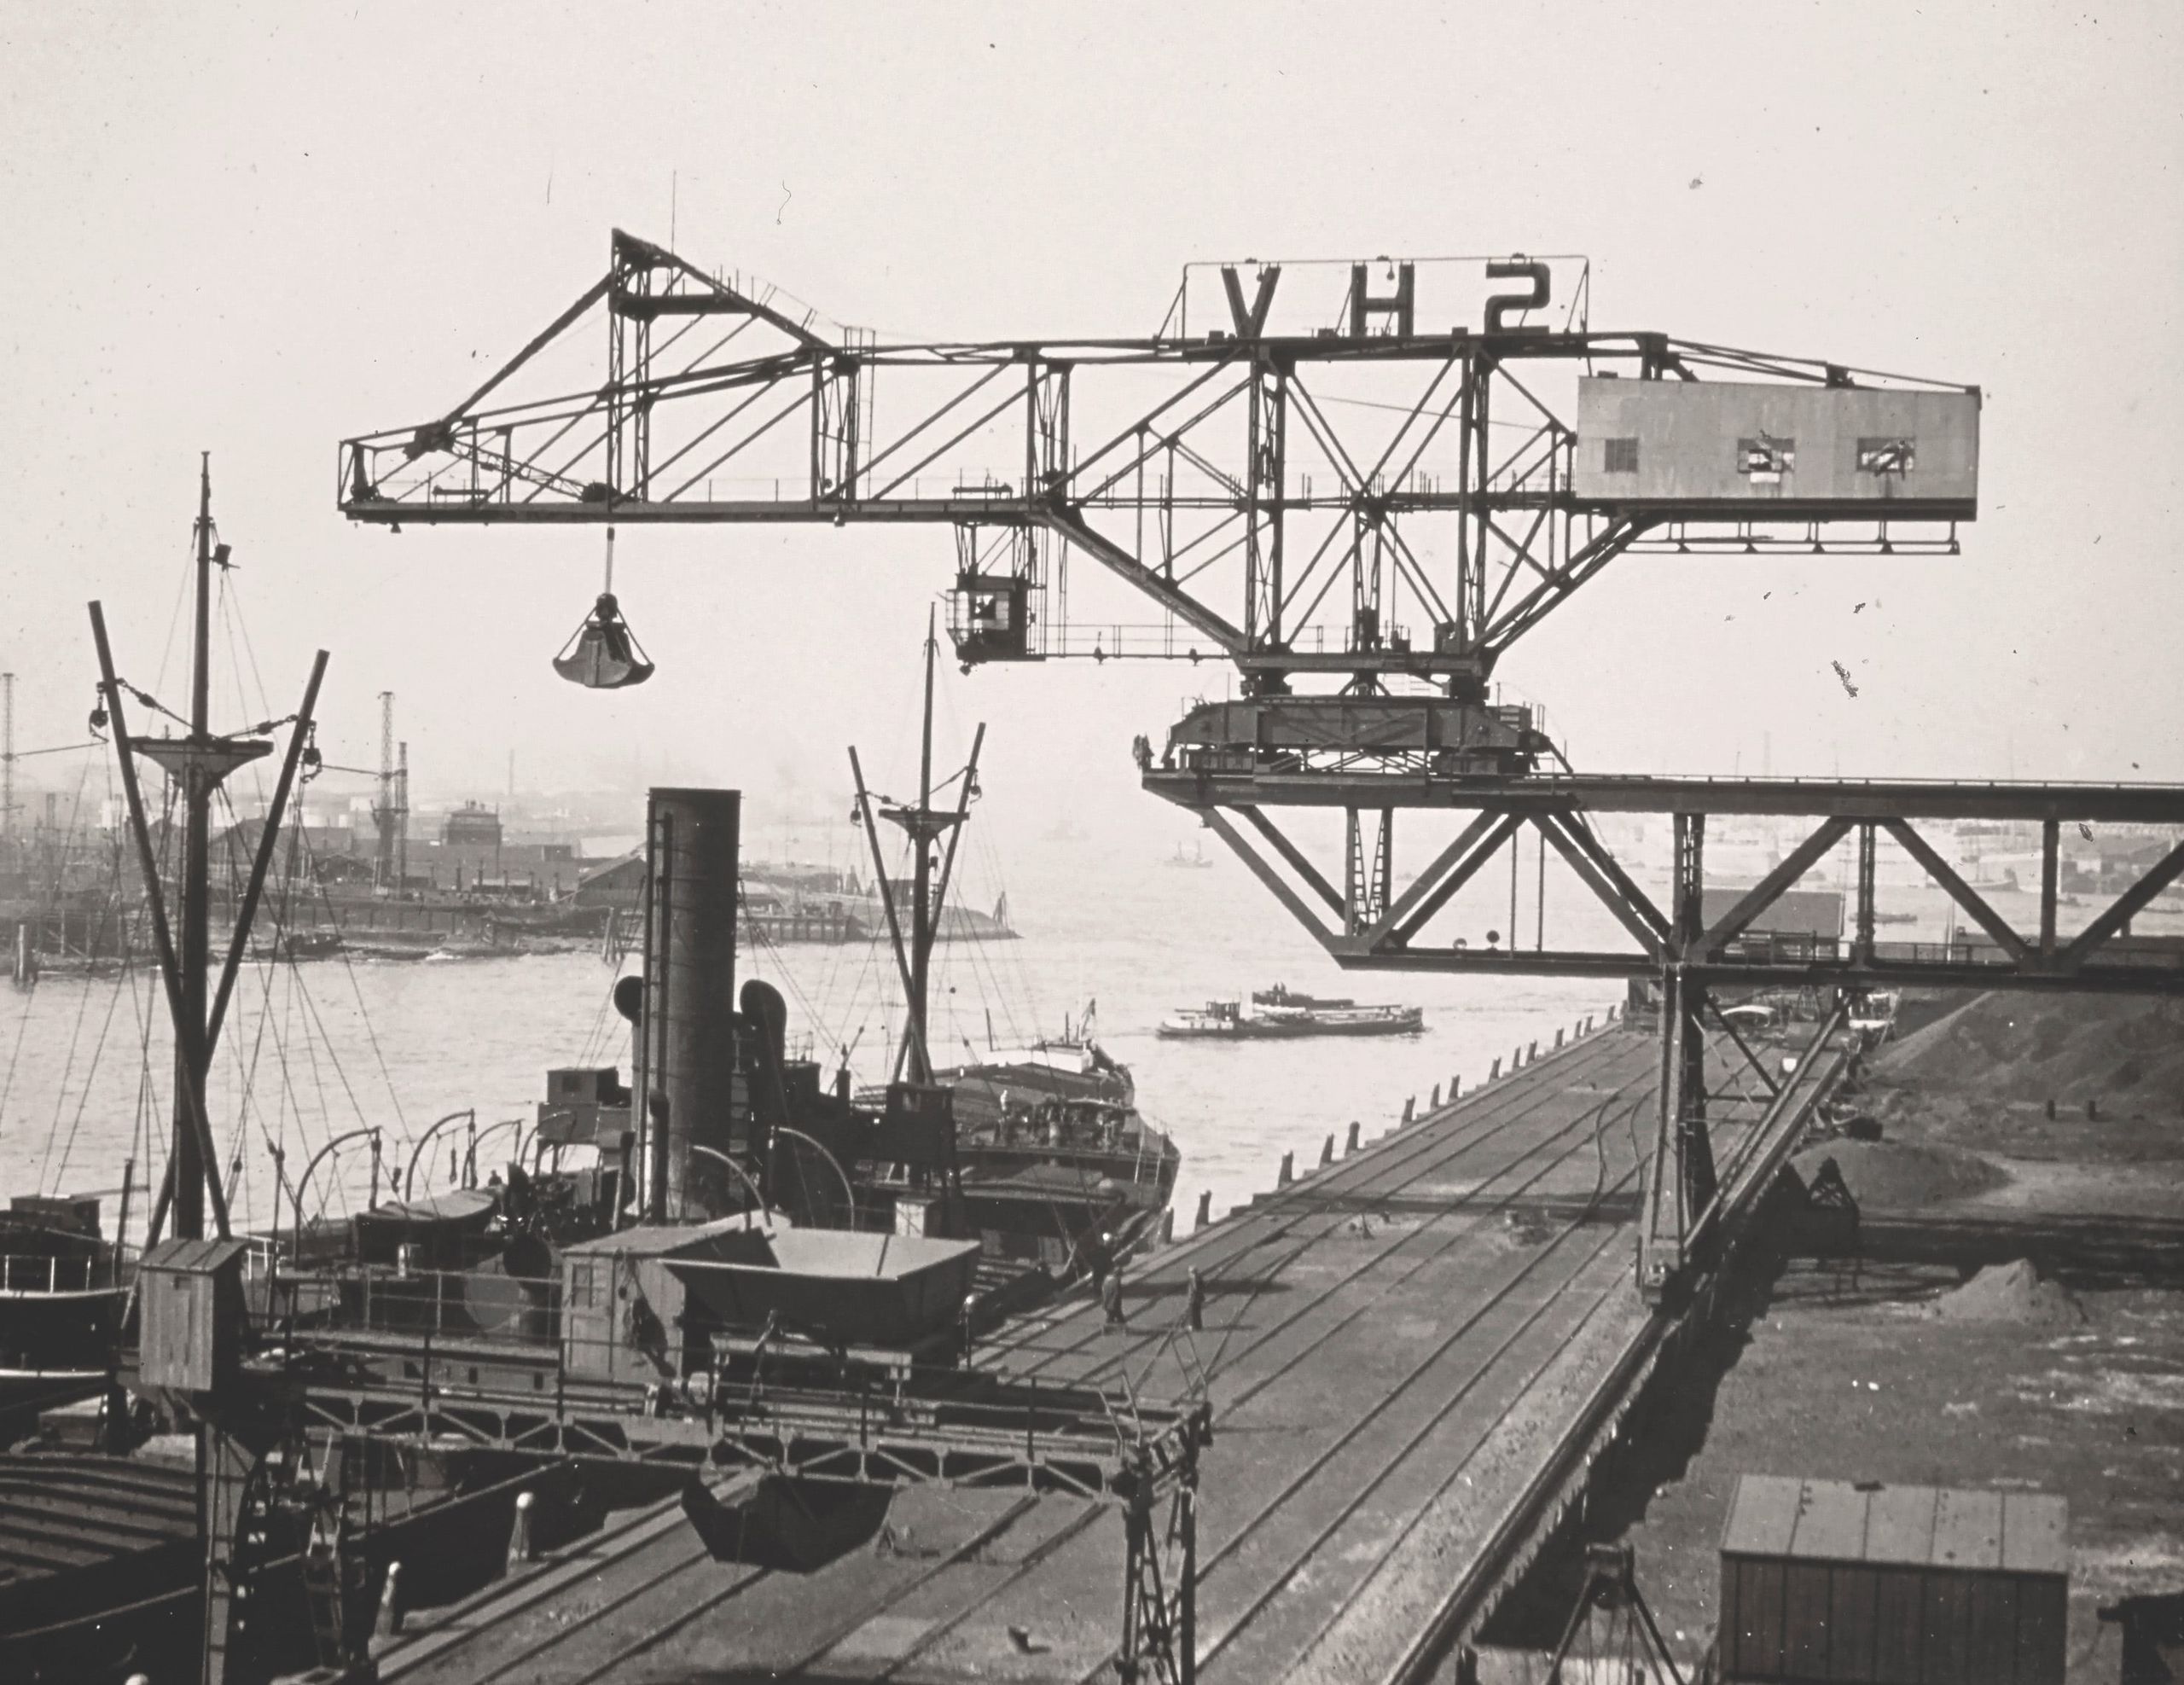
1359,484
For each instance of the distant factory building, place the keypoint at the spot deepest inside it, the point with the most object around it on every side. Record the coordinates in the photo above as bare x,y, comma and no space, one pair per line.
619,883
472,826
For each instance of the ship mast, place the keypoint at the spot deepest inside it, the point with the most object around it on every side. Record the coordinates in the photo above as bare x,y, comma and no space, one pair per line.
197,764
923,915
925,825
193,1060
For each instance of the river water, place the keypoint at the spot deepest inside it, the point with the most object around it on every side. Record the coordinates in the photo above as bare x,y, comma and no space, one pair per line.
314,1050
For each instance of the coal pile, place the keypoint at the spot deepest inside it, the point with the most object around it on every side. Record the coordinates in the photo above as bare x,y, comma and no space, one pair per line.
2012,1293
2071,1049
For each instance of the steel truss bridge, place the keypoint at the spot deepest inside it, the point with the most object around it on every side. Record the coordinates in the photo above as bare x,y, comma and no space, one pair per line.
1360,483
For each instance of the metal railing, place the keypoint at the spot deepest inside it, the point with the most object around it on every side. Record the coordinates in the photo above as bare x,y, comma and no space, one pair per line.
519,1310
46,1273
762,1399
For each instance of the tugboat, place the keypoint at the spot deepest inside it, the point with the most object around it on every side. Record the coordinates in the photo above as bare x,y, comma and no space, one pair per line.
1059,1167
1055,1166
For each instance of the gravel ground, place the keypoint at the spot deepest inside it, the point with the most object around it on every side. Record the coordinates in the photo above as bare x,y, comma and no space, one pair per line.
1913,1375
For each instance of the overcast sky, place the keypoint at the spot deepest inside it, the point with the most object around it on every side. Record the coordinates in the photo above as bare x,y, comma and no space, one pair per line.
255,228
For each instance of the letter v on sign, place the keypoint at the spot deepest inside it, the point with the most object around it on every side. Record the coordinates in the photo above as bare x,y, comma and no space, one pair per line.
1251,323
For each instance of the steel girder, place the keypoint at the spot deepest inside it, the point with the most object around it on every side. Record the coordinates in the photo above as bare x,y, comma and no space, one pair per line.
1377,922
994,1434
1319,779
1364,499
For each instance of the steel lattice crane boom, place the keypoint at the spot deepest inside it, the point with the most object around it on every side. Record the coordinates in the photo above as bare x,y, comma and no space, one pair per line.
1375,500
1362,484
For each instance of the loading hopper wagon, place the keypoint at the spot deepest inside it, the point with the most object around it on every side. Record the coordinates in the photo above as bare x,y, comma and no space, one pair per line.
840,1287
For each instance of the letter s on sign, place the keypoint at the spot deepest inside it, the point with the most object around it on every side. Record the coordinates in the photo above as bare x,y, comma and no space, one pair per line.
1499,305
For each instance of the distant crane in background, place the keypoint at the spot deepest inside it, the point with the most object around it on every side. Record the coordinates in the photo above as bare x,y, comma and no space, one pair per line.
390,812
7,757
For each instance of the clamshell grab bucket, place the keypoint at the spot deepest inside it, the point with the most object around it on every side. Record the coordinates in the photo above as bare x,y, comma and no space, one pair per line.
604,654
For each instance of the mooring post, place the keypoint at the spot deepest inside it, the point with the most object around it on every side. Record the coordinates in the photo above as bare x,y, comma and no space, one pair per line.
1409,1107
1327,1152
389,1625
1351,1146
1436,1104
1558,1038
1205,1209
1531,1053
1456,1088
1288,1171
1168,1227
519,1549
1496,1069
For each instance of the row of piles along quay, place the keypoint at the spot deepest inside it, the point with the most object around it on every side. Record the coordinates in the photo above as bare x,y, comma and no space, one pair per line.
1416,1354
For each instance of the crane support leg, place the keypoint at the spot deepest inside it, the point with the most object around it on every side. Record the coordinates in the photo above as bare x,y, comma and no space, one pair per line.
1682,1184
1159,1641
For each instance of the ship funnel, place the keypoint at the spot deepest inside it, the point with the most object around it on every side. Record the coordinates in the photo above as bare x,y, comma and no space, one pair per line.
687,1025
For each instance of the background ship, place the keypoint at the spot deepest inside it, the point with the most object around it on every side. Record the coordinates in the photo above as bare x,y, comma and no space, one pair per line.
1276,1014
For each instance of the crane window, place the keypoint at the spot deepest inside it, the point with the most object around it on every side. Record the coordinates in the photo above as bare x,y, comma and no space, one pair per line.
1887,455
1622,457
1764,460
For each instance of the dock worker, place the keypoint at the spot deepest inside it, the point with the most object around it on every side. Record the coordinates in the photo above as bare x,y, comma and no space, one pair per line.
1195,1301
1111,1296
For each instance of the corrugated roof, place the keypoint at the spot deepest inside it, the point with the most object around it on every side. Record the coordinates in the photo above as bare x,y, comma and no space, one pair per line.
1922,1526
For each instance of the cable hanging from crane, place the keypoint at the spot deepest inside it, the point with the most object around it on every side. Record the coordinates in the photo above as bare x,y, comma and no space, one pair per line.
604,654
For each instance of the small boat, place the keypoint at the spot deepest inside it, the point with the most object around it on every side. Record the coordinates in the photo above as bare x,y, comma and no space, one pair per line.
61,1298
1227,1020
1282,995
1197,858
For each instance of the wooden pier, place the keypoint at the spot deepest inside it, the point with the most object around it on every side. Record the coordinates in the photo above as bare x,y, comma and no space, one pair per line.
1413,1354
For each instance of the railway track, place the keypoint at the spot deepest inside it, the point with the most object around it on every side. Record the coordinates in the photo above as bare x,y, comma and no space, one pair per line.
1317,1209
1525,1316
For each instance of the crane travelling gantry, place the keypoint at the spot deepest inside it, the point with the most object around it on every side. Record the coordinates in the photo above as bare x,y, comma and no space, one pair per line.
1360,483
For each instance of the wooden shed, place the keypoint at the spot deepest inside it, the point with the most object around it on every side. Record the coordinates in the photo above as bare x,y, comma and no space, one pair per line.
194,1318
1822,1580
